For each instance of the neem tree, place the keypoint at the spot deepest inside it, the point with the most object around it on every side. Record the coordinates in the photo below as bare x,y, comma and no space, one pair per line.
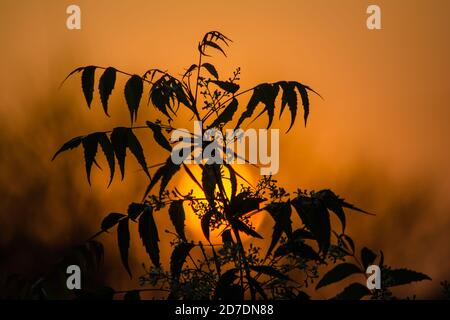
228,269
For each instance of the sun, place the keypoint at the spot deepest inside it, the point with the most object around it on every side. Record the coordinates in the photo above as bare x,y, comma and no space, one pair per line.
185,184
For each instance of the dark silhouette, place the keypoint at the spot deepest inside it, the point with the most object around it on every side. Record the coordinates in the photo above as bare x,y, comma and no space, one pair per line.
229,269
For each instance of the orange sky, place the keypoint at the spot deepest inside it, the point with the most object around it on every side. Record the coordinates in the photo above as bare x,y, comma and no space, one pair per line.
379,138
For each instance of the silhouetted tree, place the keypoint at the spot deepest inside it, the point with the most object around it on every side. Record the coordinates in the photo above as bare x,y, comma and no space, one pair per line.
229,269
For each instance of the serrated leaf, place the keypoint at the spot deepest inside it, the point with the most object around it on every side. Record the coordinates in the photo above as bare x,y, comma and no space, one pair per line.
333,203
226,86
299,249
178,257
119,143
69,145
242,226
367,257
87,83
108,150
397,277
305,100
148,233
354,291
289,98
123,241
177,217
265,93
158,136
133,93
111,220
226,115
270,271
339,272
165,174
135,209
281,214
243,203
211,69
106,86
90,144
135,147
316,218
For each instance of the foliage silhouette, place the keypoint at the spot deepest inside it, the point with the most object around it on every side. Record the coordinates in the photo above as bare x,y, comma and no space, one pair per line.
229,269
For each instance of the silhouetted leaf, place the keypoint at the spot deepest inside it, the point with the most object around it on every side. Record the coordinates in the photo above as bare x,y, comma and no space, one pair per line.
354,291
87,83
90,144
226,115
106,86
281,214
265,93
69,145
397,277
123,241
72,73
244,203
136,149
133,93
132,295
305,100
191,175
270,271
289,98
348,243
227,237
333,203
209,181
108,150
178,257
205,221
165,174
211,69
242,226
177,216
299,249
119,143
158,136
111,220
190,70
212,45
339,272
149,235
367,257
226,86
233,180
315,216
135,209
